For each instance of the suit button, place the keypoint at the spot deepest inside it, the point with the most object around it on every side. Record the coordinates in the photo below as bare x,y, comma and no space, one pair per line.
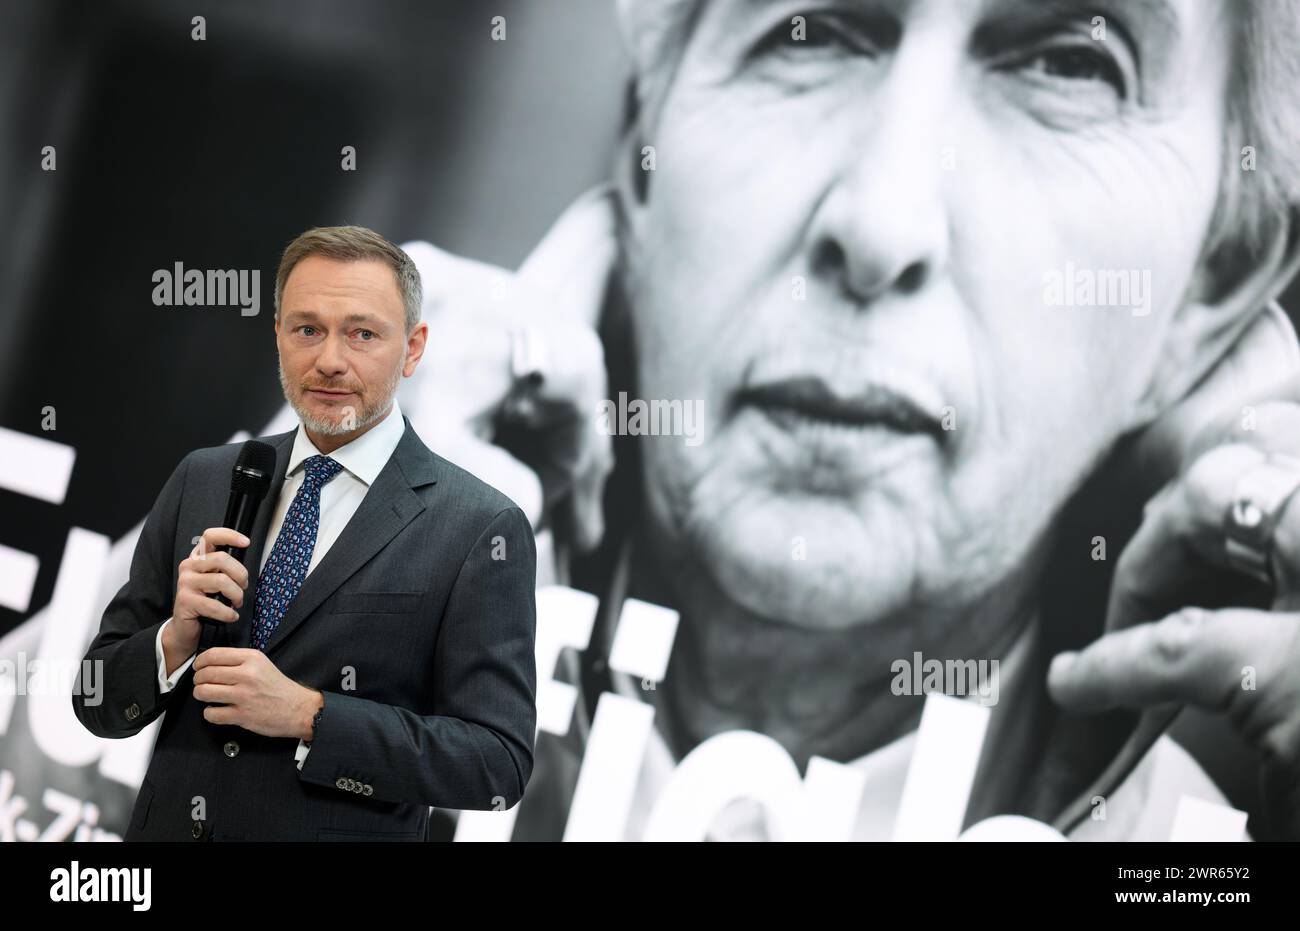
367,790
197,830
132,711
341,783
231,749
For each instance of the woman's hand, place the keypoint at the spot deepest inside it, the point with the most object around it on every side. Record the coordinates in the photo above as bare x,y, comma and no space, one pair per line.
1161,649
463,393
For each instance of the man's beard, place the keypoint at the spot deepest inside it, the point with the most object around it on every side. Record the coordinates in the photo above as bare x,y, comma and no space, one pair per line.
349,420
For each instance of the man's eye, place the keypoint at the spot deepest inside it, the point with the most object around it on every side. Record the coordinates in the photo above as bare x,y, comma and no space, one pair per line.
307,330
365,335
1075,63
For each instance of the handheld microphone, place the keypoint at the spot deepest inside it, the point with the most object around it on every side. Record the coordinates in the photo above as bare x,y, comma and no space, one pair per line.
249,483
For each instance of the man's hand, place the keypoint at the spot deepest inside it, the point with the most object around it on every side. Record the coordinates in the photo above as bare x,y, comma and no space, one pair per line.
253,693
458,396
205,572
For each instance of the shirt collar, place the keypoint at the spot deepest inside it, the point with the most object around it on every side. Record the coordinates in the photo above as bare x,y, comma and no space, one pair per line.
365,457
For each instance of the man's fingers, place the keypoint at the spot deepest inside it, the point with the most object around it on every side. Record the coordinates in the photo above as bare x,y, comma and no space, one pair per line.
223,656
218,563
1192,657
572,263
214,583
216,692
219,675
214,537
203,606
222,714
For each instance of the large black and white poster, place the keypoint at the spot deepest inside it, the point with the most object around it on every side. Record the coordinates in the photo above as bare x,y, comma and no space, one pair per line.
921,416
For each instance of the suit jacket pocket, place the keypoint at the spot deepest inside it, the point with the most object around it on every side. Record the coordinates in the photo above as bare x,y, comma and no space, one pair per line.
376,602
368,836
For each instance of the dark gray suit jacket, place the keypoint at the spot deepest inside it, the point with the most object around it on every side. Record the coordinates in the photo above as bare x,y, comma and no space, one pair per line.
418,626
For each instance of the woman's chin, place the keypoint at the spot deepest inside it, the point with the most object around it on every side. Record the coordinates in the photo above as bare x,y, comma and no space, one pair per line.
807,574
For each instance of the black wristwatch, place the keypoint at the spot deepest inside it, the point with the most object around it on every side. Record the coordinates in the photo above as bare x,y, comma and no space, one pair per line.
315,722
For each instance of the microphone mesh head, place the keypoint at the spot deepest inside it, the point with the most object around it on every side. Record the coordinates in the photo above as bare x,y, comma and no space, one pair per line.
254,469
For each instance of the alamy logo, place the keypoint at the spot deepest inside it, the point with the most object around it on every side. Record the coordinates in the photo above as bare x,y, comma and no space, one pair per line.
956,677
195,287
1106,287
657,417
105,884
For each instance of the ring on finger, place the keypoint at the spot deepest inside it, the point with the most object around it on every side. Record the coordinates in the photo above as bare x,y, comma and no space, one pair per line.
1258,501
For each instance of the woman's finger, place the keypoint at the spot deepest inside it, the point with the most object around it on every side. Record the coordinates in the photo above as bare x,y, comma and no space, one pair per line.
1181,540
1211,659
572,263
1261,366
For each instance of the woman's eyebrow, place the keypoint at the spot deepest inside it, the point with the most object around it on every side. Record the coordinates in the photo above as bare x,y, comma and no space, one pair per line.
1149,22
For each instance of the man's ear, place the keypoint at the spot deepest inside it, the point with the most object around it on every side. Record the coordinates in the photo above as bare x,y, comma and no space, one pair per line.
415,343
1230,290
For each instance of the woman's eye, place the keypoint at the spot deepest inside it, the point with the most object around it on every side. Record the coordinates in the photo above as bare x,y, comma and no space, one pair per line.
822,31
1076,63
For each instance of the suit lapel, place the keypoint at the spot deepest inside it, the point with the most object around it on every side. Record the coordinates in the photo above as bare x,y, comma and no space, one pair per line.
389,505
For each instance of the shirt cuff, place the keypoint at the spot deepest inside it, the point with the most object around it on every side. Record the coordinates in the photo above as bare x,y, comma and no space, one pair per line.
165,682
300,754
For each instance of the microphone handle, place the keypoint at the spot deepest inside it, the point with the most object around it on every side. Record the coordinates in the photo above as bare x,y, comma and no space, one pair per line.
241,512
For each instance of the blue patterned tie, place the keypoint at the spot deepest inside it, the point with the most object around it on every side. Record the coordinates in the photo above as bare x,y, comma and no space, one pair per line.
287,565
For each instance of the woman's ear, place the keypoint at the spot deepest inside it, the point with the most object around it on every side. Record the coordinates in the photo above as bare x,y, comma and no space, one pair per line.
631,187
1229,291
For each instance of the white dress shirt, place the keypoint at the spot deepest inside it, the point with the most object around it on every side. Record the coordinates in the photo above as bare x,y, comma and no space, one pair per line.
362,460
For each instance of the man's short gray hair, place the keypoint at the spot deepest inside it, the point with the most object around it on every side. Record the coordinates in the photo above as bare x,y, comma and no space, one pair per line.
354,244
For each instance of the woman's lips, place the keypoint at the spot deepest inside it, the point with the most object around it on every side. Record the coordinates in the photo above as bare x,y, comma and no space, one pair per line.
834,444
799,402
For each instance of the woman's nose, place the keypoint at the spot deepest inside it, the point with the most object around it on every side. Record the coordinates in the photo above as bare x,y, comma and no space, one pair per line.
883,225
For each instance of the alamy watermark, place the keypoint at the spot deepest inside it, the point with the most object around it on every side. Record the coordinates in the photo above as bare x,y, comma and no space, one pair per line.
53,677
79,883
179,286
956,677
1093,287
657,417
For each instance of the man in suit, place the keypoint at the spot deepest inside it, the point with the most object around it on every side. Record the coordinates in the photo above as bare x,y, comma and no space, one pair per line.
381,660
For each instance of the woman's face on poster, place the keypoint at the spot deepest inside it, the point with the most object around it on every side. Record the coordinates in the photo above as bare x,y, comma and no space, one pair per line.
921,260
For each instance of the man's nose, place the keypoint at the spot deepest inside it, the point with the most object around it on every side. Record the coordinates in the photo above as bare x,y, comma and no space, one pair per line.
883,225
332,358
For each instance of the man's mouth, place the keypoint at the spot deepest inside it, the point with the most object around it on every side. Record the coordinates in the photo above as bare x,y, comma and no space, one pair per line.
795,401
330,392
